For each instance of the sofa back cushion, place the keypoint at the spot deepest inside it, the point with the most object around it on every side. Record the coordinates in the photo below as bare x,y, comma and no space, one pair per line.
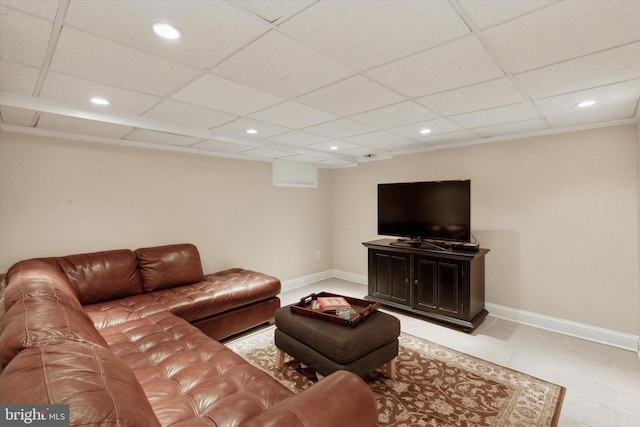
102,276
99,387
163,267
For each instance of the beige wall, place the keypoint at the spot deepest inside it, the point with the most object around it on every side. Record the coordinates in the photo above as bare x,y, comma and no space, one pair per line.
60,197
559,213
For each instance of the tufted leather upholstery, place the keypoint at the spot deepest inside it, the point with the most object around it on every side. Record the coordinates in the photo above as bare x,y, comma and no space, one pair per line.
97,385
137,361
177,364
217,293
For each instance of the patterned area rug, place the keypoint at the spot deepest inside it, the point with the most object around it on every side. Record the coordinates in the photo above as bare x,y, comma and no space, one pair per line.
434,386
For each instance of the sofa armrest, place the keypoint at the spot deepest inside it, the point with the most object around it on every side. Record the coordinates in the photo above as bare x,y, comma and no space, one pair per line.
340,400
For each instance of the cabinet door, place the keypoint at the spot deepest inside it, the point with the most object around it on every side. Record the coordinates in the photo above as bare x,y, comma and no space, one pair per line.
425,283
389,276
438,286
449,287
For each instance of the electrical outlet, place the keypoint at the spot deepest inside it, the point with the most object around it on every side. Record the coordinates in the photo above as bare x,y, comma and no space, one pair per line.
318,254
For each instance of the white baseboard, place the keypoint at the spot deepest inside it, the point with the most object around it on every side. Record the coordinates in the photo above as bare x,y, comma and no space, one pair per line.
351,277
288,285
566,327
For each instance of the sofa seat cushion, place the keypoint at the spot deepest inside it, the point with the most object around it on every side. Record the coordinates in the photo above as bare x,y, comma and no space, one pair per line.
99,387
219,292
190,379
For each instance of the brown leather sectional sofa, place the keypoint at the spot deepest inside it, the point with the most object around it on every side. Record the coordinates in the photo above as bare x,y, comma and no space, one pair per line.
126,338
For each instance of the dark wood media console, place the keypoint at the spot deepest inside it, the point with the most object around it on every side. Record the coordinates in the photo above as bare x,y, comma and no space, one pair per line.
443,285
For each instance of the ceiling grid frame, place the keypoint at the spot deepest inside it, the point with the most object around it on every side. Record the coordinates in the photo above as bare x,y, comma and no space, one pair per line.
620,107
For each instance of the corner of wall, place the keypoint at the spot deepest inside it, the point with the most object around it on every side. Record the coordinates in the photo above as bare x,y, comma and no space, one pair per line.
638,199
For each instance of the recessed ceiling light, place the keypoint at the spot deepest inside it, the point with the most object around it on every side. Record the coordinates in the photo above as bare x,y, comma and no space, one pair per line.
100,101
166,31
425,131
333,147
588,103
252,131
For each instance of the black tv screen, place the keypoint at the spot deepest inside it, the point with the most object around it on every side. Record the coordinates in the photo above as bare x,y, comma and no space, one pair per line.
437,210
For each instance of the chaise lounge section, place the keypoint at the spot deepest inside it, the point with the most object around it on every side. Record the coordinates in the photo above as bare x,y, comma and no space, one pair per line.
109,334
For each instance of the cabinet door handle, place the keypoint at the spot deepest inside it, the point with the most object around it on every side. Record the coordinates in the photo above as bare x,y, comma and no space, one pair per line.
415,281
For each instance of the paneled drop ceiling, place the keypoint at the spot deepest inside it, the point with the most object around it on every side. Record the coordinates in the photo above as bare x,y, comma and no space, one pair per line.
332,82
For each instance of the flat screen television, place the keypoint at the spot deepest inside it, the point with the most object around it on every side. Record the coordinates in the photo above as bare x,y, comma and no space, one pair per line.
436,210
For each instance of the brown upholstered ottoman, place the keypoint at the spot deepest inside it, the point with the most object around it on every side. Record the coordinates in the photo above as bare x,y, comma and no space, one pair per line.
326,347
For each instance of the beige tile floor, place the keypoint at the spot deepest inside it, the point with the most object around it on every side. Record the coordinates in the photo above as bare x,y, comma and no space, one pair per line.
603,383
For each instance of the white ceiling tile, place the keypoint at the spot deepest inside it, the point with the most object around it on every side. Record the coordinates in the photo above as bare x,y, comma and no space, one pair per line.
437,126
402,147
365,154
619,93
601,114
237,129
82,126
335,163
562,110
92,58
294,115
494,93
511,128
220,147
565,30
263,153
364,34
298,138
276,64
599,69
450,138
224,95
17,78
376,138
43,8
487,13
353,95
395,115
146,135
17,116
341,146
271,10
496,116
304,158
340,128
187,114
453,65
77,93
211,30
23,38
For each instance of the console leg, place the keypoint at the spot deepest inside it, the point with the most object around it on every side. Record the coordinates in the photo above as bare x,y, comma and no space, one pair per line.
280,359
389,368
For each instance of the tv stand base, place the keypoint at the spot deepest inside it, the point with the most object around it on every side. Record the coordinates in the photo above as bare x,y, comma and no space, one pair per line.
445,286
451,322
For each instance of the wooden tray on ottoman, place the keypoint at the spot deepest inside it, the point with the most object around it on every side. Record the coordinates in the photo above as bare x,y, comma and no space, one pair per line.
363,309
